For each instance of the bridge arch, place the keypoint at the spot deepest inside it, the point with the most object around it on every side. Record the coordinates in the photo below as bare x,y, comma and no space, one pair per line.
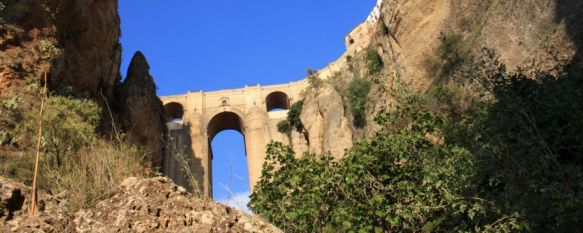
173,111
276,100
223,121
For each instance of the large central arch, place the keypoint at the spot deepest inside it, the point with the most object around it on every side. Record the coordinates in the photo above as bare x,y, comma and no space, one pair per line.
226,120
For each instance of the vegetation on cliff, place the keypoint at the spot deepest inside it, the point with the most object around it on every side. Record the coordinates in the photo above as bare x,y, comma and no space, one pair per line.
75,160
293,121
357,93
487,150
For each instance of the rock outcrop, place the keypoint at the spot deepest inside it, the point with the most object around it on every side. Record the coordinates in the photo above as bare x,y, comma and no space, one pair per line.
87,33
138,205
141,110
75,43
14,209
324,120
158,205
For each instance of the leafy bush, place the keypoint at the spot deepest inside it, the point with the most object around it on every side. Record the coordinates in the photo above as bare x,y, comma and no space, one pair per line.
504,157
284,127
451,54
389,183
375,63
293,116
292,193
74,158
357,97
68,125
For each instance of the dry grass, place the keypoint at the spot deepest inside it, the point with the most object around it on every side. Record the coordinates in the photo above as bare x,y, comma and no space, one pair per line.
93,172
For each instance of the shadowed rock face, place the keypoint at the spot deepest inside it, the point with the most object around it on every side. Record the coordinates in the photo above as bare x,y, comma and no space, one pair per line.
141,110
87,33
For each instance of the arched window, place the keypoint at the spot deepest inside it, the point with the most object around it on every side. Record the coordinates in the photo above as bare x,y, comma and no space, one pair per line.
173,111
277,101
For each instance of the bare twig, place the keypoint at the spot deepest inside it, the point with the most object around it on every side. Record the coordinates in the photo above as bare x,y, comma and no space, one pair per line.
110,116
38,145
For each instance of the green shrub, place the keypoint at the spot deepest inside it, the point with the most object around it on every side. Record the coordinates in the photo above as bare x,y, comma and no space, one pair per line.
68,124
293,116
390,183
508,158
282,197
284,127
357,98
74,158
451,53
375,63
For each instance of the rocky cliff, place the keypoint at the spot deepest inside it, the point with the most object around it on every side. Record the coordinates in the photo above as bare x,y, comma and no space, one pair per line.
408,35
75,43
139,105
138,205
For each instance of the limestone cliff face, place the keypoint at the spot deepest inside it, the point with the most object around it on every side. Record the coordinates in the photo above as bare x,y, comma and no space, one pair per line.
141,110
76,44
407,33
328,129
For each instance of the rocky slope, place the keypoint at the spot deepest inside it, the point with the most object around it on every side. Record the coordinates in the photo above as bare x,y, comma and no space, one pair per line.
76,44
138,205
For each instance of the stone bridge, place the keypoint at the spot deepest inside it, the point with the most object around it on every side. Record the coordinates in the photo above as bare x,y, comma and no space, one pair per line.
196,117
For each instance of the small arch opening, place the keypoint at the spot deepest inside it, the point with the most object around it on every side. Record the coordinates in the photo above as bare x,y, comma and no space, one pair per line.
277,101
351,41
173,112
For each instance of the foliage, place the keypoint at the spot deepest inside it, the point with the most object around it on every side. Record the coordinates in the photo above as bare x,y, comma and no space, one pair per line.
375,63
68,124
75,160
293,116
529,142
314,79
357,97
451,54
8,110
491,151
284,127
293,192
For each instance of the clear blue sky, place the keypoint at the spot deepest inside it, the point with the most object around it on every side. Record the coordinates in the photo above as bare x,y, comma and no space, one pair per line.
222,44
